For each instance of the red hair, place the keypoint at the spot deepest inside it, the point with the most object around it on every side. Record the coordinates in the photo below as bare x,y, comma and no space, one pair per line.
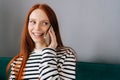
27,44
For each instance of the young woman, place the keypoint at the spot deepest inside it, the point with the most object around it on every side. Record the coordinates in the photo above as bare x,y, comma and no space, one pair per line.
42,55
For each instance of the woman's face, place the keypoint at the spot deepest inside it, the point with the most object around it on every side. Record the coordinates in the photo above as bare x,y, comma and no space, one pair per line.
38,25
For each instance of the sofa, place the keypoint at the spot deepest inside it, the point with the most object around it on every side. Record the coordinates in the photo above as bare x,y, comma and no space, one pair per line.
84,70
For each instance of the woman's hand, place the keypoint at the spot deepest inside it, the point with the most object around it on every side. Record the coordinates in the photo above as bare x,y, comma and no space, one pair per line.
53,43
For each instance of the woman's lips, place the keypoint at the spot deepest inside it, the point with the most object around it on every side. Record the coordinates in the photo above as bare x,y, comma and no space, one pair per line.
37,35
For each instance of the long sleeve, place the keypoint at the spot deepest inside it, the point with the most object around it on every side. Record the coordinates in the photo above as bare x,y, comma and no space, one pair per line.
57,65
48,67
67,64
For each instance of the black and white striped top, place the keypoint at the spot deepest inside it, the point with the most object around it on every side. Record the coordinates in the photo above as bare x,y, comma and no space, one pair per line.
48,64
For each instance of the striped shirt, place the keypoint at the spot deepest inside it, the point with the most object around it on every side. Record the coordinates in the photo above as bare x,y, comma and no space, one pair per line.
48,64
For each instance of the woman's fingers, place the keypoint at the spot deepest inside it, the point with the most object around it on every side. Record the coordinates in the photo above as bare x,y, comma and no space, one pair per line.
53,43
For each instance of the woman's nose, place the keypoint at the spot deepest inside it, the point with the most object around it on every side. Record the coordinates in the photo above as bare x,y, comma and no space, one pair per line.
37,27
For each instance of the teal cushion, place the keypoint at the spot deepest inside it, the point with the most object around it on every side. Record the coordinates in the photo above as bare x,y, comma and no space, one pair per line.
97,71
3,64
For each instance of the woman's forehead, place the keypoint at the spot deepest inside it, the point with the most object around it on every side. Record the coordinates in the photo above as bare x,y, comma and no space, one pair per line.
38,14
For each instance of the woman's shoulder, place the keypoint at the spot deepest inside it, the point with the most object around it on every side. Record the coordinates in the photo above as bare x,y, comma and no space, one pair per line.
16,59
68,50
66,53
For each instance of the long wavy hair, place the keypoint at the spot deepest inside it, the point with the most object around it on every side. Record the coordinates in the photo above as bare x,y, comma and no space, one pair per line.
27,44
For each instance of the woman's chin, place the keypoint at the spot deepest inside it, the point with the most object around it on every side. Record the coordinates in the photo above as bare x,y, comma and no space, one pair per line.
37,39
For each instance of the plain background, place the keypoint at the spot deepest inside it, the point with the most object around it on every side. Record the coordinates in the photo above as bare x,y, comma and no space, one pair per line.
90,27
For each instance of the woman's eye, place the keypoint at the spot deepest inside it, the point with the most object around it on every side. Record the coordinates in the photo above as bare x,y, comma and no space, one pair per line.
32,22
45,23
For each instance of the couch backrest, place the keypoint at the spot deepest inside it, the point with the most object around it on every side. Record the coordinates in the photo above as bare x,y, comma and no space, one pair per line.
3,64
84,70
97,71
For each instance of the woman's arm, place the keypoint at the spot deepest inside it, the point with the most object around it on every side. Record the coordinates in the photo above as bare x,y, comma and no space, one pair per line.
60,66
67,64
48,67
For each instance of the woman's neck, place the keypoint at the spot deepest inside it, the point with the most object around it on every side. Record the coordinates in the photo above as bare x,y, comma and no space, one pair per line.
40,46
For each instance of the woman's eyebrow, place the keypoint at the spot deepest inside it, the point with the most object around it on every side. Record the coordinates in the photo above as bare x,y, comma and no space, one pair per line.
32,19
45,20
